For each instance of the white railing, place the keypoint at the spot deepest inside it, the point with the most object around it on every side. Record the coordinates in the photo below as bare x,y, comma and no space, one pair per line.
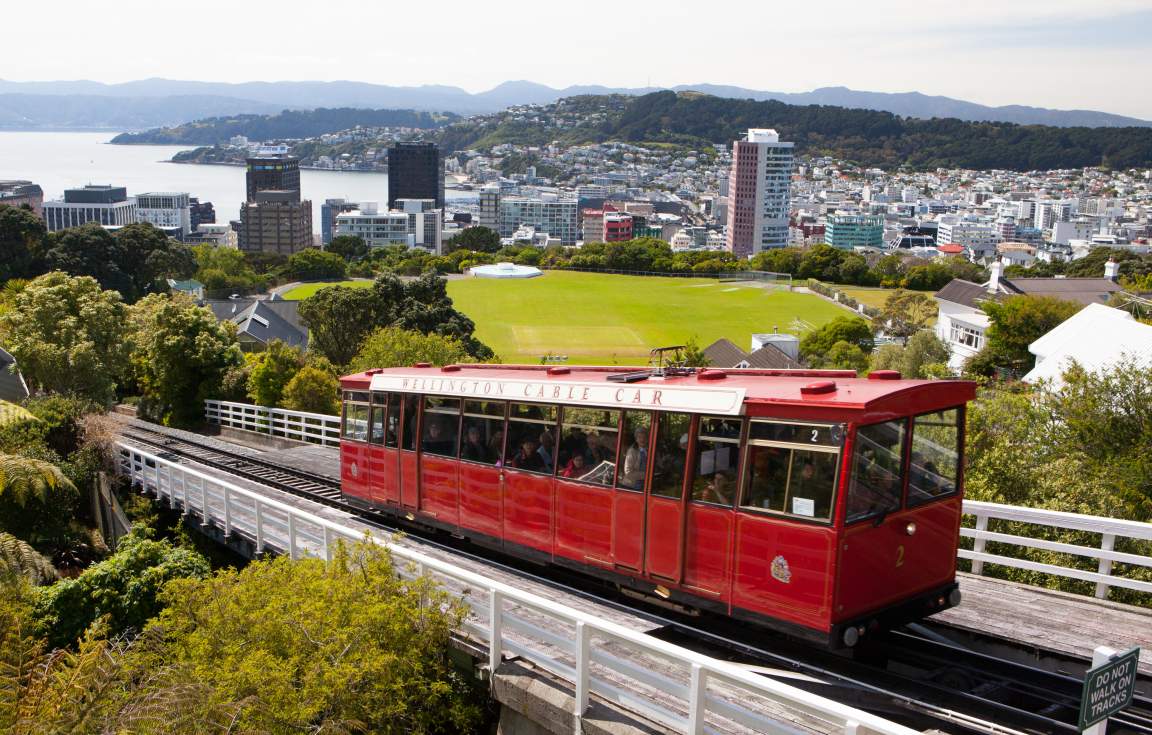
682,690
317,428
1109,529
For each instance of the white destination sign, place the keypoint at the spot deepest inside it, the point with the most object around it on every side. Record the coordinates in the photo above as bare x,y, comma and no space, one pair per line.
726,401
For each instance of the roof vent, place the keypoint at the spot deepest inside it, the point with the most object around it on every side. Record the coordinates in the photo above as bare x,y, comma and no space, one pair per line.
820,387
711,375
884,375
450,369
374,371
422,365
559,370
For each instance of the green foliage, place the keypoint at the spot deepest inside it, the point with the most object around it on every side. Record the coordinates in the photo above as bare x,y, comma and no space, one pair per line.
312,389
693,354
68,336
905,313
348,247
271,370
36,499
1017,322
1081,448
396,347
224,271
476,238
18,559
181,356
843,355
22,236
815,345
311,264
60,417
123,589
340,319
924,356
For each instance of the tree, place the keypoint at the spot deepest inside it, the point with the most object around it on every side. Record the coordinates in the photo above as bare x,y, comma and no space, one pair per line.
18,559
124,589
843,355
225,270
815,344
348,247
181,354
151,257
271,371
312,389
36,499
68,336
22,236
90,250
925,355
1017,322
693,354
905,313
338,320
311,264
315,647
476,238
396,347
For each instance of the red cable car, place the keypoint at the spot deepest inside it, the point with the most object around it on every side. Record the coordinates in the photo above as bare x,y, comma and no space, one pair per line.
813,502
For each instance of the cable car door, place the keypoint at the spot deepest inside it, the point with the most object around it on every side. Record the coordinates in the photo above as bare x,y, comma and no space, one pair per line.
629,498
409,463
664,528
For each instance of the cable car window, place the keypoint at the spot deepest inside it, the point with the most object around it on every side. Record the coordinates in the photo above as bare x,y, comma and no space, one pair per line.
356,422
791,468
483,437
825,435
411,404
376,436
361,396
934,464
531,444
716,474
631,472
441,427
392,425
877,470
588,440
671,454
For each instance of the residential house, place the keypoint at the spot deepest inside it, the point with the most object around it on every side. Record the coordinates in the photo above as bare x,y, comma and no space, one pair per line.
1097,338
724,354
259,321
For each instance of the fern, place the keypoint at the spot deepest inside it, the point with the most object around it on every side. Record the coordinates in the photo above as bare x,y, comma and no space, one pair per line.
18,559
24,478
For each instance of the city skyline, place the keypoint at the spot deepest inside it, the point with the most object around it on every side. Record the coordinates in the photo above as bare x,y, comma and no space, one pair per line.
995,54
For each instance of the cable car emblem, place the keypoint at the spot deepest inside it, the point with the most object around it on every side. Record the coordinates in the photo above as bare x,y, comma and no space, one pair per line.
354,469
780,570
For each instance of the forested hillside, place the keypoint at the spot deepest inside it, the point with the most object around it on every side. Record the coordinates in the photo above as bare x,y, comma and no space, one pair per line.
286,124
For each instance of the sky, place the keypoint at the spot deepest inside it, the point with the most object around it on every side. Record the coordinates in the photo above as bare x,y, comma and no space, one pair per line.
1045,53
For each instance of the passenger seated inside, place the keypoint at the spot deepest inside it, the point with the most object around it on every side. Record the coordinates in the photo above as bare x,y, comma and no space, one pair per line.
718,490
474,449
576,468
527,457
636,460
545,450
436,441
767,478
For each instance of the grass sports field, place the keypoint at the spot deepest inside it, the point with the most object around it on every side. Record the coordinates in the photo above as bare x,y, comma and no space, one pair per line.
608,319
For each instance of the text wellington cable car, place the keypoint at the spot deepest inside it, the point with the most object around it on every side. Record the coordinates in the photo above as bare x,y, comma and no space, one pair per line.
814,502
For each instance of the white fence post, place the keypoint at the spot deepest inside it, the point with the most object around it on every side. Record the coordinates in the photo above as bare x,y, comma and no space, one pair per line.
1107,543
495,630
978,543
697,690
583,662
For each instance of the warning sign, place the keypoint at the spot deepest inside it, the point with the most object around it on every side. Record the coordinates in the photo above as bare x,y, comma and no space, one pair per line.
1108,688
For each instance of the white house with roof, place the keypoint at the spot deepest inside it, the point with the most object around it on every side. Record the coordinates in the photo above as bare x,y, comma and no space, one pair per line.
1097,337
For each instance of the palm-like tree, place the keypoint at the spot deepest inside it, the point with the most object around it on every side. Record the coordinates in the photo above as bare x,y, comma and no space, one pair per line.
18,559
24,478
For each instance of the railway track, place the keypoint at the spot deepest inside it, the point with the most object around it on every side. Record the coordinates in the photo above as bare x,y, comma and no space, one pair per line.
917,677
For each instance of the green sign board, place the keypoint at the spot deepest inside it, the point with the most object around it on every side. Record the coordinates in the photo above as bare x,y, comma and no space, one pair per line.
1108,688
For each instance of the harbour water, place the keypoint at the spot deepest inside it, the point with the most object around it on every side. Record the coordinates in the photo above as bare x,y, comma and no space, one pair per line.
62,160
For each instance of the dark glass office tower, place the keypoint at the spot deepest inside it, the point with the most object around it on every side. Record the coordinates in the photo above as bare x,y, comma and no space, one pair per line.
273,173
415,171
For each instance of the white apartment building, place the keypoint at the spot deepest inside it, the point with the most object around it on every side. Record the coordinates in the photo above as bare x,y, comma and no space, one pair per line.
1081,228
976,233
416,224
167,210
549,213
759,191
108,206
1048,212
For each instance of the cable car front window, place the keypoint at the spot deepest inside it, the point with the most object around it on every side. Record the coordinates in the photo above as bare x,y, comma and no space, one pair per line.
877,471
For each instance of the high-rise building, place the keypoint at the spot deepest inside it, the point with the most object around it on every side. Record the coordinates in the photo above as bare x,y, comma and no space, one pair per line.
415,171
277,222
417,223
617,227
847,231
758,193
19,193
202,213
168,210
109,206
547,213
272,173
328,212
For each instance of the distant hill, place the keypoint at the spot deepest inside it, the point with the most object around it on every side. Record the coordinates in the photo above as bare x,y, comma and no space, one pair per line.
284,124
308,95
867,137
74,112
